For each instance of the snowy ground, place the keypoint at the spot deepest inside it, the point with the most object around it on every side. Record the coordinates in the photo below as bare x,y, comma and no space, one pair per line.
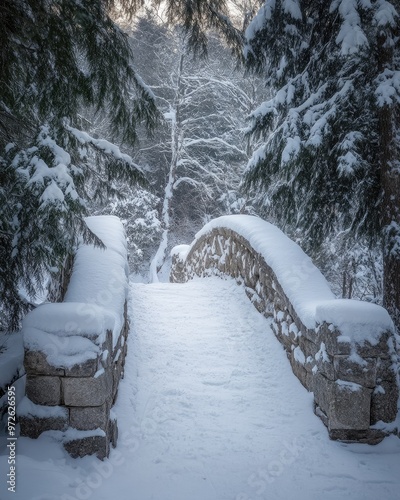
208,410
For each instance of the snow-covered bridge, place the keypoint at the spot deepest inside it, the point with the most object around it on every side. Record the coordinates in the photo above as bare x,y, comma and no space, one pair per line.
209,408
342,350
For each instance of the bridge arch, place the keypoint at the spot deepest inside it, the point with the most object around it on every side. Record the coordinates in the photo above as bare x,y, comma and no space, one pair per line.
342,350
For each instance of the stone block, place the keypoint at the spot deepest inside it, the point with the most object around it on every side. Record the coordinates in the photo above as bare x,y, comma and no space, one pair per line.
87,391
380,349
105,360
363,373
309,348
108,343
310,334
384,402
334,342
117,372
324,364
321,414
85,369
43,390
284,336
33,427
386,370
35,363
323,392
259,304
309,381
346,406
117,350
89,417
91,445
124,353
292,331
350,407
299,371
367,436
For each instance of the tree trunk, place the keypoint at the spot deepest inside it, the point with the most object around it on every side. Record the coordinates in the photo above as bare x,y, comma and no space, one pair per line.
389,117
160,256
390,212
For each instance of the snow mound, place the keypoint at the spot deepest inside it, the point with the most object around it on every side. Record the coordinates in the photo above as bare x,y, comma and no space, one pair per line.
72,332
70,318
180,251
27,408
355,319
100,276
67,333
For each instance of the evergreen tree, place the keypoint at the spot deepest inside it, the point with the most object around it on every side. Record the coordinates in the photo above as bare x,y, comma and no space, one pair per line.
139,215
330,160
58,58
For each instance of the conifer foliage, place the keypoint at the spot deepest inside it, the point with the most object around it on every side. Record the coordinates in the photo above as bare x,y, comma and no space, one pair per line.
330,158
58,58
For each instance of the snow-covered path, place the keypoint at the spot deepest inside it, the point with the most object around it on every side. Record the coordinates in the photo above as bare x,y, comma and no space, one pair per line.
208,410
221,414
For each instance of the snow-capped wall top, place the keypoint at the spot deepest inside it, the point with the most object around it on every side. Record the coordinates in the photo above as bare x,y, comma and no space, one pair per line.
110,230
303,284
355,319
180,251
72,332
69,319
67,333
100,275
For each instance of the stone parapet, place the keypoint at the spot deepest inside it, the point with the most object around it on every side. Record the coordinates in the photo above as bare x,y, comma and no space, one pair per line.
75,352
353,376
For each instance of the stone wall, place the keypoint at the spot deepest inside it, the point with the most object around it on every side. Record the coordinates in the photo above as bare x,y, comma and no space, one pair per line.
75,352
76,400
354,384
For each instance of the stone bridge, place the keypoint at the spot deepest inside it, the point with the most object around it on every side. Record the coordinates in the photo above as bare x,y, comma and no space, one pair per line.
342,350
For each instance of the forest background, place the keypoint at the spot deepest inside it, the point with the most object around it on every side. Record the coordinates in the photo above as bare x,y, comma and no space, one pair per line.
168,114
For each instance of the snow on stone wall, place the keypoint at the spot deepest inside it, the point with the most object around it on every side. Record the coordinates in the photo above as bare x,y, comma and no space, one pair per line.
75,350
342,350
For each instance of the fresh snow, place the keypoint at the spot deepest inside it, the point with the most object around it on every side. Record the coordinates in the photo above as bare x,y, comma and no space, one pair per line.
350,37
70,333
100,274
345,385
292,7
257,23
209,409
65,319
180,251
355,319
31,410
106,146
386,14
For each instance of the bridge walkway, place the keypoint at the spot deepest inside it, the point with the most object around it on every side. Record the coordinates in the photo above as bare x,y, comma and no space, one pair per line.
209,408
